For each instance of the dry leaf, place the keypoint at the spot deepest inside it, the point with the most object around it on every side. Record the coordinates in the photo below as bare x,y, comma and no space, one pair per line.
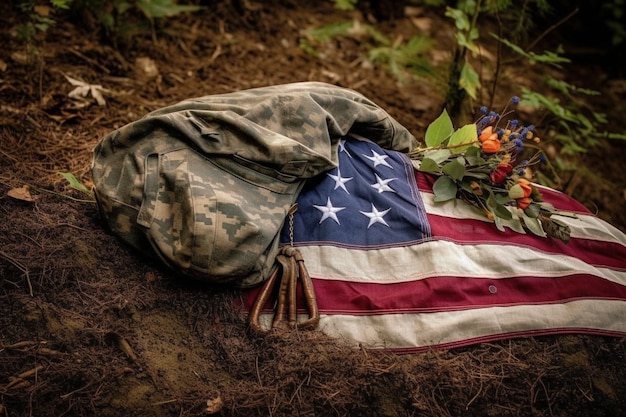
214,406
424,24
83,90
150,277
42,10
20,57
21,193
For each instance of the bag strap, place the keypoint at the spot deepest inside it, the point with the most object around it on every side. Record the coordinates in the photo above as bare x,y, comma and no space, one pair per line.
288,270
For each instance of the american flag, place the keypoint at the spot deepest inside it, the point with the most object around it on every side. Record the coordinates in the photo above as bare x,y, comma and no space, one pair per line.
392,269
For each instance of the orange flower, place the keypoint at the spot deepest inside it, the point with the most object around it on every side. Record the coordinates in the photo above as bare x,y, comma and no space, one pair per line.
524,202
491,145
487,133
526,186
522,189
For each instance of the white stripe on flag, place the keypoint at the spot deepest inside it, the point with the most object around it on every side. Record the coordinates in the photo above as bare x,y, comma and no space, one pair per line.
456,328
444,258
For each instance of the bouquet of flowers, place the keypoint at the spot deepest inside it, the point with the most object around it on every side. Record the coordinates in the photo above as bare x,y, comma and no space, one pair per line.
478,164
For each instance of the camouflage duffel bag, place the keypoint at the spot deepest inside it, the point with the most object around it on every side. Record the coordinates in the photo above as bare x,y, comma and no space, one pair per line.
206,184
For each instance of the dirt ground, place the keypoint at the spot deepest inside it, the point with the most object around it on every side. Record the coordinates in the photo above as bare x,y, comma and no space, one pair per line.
88,328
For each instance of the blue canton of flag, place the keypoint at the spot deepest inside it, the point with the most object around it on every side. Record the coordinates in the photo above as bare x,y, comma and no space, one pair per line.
370,200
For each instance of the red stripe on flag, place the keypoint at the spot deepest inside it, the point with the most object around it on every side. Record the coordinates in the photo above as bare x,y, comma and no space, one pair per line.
453,293
594,252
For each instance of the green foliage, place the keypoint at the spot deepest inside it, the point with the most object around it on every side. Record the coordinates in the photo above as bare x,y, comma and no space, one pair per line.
153,9
488,178
576,128
39,17
614,13
466,32
547,57
62,4
76,184
568,120
464,79
402,59
118,16
353,29
113,15
346,4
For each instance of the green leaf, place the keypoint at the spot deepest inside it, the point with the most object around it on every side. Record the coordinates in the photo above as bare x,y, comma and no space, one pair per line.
532,210
475,160
472,151
439,130
514,224
498,209
163,8
477,175
463,138
502,212
467,41
62,4
503,198
444,189
516,191
454,169
547,57
329,32
122,7
618,136
534,225
499,223
469,80
438,155
345,4
466,186
75,183
460,18
428,165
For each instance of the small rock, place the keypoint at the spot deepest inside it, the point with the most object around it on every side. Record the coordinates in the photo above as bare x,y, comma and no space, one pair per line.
146,69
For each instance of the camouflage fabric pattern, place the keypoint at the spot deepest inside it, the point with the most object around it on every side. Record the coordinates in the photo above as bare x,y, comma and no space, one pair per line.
206,184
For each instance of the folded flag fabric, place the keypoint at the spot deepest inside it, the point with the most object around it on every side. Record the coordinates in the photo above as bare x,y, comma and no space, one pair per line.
392,269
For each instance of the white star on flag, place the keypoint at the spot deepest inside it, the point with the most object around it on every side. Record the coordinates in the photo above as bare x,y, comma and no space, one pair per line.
378,159
342,147
328,211
381,185
340,181
375,216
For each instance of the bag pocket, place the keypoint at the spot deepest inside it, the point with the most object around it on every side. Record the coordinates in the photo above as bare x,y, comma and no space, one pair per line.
208,221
